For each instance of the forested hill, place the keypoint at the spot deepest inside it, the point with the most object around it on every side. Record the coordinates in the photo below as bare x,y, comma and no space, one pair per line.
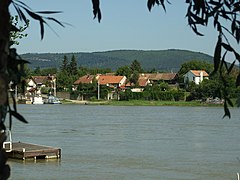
161,60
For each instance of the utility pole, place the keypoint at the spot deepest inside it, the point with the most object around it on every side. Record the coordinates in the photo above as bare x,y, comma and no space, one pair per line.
98,91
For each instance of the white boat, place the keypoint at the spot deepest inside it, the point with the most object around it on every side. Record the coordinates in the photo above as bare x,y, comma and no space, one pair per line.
52,100
37,100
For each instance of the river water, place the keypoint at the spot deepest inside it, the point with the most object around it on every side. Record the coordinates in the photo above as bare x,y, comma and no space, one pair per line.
130,142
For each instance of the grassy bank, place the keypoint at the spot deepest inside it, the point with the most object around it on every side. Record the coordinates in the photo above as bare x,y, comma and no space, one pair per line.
140,103
154,103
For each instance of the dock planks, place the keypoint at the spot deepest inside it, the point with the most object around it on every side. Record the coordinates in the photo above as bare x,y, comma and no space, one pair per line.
23,151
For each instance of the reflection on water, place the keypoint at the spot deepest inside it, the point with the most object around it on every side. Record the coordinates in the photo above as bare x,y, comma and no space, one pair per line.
107,142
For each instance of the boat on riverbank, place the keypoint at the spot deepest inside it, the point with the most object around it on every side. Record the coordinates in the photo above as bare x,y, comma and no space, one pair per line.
37,100
52,100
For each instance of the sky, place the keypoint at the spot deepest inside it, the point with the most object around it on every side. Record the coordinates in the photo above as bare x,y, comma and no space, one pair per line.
125,24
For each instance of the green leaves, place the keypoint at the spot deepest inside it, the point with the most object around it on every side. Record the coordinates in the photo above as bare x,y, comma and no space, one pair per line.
19,6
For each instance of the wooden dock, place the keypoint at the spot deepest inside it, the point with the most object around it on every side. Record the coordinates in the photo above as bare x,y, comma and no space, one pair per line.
24,151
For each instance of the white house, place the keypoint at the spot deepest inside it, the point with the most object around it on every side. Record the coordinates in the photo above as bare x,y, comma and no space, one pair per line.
112,81
196,76
35,83
115,82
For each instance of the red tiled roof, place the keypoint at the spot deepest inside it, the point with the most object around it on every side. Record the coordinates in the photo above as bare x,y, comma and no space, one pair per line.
142,81
197,72
87,79
160,76
110,79
40,79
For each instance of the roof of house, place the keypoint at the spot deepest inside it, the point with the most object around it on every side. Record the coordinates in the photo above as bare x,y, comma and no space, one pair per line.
160,76
87,79
142,81
197,72
40,79
103,79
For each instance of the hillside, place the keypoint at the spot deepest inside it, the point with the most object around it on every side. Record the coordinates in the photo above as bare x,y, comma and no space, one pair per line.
161,60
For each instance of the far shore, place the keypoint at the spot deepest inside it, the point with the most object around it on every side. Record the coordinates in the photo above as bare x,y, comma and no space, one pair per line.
139,103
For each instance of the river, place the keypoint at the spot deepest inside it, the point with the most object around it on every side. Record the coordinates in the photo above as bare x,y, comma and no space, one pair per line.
130,142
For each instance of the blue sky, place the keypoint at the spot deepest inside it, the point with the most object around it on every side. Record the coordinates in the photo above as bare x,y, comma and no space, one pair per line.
126,24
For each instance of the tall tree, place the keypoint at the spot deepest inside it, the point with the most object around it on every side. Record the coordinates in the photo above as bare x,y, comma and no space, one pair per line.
4,54
124,71
136,66
73,69
134,78
64,66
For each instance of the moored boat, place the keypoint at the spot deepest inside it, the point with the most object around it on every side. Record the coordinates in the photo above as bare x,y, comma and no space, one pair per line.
37,100
52,100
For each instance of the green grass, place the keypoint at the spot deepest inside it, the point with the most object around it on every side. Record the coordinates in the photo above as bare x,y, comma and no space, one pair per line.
154,103
143,103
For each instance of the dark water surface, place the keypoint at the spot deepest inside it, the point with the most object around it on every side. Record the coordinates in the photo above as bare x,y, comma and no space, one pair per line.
112,142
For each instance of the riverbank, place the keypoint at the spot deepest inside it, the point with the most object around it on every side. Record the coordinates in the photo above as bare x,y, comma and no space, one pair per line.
140,103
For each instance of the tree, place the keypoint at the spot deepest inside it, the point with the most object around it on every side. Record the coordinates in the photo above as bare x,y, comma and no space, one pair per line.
12,67
15,35
73,70
63,81
37,71
48,71
195,65
64,66
124,71
136,66
134,78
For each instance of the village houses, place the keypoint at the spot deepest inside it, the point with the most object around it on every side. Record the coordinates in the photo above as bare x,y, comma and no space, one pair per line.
115,83
111,81
196,76
120,83
36,83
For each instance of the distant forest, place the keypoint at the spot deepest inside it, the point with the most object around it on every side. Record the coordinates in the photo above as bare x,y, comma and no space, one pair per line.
159,60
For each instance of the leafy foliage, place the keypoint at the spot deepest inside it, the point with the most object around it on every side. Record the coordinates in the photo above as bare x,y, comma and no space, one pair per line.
73,68
195,65
19,33
21,7
136,66
124,71
153,93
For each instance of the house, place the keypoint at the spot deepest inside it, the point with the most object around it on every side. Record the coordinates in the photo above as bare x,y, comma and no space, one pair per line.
112,81
196,76
36,83
148,79
87,79
154,78
143,81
